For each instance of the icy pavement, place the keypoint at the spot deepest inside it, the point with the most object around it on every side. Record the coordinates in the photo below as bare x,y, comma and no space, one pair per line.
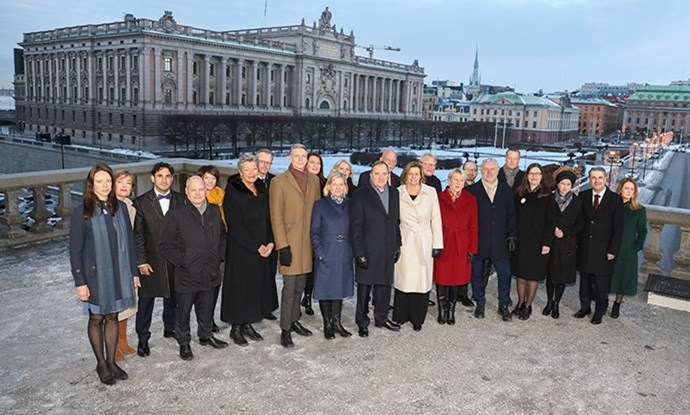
636,364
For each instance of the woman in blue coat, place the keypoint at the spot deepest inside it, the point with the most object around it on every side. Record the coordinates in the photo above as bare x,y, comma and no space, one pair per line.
333,268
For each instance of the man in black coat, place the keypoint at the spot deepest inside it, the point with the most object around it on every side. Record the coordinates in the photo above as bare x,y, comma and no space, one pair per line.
264,158
510,173
497,236
391,159
375,232
193,240
156,273
428,162
599,243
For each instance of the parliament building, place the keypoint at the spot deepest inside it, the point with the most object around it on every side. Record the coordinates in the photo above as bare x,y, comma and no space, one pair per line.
112,84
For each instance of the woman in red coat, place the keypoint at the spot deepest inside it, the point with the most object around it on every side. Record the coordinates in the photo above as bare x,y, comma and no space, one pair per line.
453,268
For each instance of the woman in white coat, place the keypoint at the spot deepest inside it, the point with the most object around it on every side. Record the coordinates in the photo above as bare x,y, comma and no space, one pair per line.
422,241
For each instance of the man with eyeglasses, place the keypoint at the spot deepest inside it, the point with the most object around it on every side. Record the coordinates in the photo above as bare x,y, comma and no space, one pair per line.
264,158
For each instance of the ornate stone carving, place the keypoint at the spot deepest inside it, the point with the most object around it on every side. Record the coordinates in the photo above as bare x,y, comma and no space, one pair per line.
328,79
167,22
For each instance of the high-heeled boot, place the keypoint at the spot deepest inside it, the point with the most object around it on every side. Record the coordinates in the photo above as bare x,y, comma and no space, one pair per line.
336,321
326,312
555,313
451,313
306,301
441,301
122,344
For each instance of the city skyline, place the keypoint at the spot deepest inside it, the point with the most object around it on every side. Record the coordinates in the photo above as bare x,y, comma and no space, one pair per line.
552,45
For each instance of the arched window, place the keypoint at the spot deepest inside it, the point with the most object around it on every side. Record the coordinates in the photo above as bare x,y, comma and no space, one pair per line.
324,105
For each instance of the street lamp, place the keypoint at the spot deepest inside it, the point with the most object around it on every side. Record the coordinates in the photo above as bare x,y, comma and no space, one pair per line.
632,166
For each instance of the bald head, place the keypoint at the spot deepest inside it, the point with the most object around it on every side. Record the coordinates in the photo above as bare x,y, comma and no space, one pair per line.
390,158
195,190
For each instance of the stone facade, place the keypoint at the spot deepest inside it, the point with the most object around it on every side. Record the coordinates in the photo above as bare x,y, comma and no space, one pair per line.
658,109
112,84
597,116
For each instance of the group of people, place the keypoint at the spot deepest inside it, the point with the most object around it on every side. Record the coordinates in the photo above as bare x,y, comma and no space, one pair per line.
389,235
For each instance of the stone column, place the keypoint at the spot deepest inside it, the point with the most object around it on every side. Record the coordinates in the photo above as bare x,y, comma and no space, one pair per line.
116,76
189,87
90,63
238,82
251,99
80,97
68,97
180,70
11,218
64,208
39,213
682,256
157,76
204,81
366,97
353,93
104,76
223,80
267,85
281,85
128,79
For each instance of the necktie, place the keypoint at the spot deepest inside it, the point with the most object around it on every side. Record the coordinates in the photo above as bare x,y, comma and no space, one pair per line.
596,202
164,196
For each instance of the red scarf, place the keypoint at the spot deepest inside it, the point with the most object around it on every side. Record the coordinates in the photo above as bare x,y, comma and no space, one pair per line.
300,177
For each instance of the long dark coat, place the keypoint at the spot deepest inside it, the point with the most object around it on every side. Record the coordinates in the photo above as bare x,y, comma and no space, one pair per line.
518,178
563,255
249,286
625,272
195,245
147,230
527,262
330,237
496,220
460,236
375,234
364,179
602,233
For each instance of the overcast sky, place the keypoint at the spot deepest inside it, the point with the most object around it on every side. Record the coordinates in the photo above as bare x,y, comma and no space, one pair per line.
552,45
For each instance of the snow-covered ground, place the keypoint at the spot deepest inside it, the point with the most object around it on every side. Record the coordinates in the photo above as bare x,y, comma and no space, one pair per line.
6,103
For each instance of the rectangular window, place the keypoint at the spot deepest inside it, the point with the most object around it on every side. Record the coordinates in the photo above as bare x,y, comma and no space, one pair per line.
227,98
135,96
84,63
98,118
135,62
244,72
62,115
100,93
272,75
111,95
212,69
194,97
110,118
83,114
134,120
211,98
168,96
167,64
74,116
227,71
122,121
194,68
258,74
123,94
123,62
534,124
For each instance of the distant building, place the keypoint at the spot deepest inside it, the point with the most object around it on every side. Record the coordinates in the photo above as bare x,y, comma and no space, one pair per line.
472,89
681,83
658,108
453,110
599,89
527,118
597,116
115,82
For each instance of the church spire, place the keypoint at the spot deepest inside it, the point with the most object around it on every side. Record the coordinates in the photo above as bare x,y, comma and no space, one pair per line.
476,79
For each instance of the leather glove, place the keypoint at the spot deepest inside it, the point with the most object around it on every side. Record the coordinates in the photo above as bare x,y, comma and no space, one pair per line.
285,256
397,254
512,244
470,257
362,262
435,253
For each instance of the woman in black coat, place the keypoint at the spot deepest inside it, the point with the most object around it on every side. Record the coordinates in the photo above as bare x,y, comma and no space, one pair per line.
249,288
564,221
529,260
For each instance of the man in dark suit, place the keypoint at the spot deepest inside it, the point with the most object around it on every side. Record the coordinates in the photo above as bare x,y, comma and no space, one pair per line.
470,169
599,243
156,273
428,162
193,240
375,232
264,159
497,236
391,159
510,173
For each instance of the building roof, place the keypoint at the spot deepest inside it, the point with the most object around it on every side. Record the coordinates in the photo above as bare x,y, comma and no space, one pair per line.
591,101
673,93
514,99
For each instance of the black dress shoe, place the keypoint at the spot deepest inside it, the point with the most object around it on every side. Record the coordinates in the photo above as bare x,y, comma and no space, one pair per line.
616,310
270,316
169,334
213,342
582,313
249,332
143,348
547,310
417,327
525,312
465,301
363,332
117,371
430,303
596,319
186,352
286,339
215,328
518,309
479,311
298,328
395,323
237,336
555,313
105,375
505,313
389,325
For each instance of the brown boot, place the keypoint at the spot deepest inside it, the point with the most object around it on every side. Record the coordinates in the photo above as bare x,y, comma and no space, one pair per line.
122,345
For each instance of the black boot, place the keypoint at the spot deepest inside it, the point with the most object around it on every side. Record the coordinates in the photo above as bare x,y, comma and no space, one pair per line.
450,304
547,310
306,301
525,312
451,313
441,300
237,336
463,297
518,309
616,309
336,321
326,307
555,313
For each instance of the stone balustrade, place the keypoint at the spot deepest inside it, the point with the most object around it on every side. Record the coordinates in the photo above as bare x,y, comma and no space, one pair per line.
67,186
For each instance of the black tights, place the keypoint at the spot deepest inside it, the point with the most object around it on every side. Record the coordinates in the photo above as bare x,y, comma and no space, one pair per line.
100,327
556,289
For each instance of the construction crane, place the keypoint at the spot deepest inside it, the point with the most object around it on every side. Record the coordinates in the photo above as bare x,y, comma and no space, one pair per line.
371,49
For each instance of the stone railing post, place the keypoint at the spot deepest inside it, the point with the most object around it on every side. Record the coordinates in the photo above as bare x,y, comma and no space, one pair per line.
12,218
64,208
40,213
682,257
652,251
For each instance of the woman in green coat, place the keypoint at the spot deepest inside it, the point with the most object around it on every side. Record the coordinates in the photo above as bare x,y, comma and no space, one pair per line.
624,281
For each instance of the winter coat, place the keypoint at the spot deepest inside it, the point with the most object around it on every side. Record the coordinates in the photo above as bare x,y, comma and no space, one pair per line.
602,233
625,270
496,220
562,258
527,262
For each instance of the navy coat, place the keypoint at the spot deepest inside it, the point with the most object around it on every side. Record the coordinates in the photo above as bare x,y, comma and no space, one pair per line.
518,178
496,220
375,234
330,237
602,233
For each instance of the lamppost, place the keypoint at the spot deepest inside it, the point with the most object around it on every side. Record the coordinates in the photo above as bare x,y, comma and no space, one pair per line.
632,166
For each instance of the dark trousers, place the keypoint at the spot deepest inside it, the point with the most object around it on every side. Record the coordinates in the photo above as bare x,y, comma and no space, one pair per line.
479,289
290,297
594,287
203,307
145,314
382,299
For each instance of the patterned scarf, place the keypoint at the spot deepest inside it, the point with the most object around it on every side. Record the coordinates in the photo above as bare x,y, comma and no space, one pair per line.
563,201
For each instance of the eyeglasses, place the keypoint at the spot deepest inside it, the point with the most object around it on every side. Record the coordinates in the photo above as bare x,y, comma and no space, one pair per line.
534,174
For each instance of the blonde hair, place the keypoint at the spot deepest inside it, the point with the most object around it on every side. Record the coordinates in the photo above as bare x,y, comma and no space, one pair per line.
409,166
337,165
333,175
634,203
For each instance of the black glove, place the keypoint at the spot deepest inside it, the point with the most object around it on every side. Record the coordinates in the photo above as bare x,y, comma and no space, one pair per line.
397,254
362,262
435,253
512,244
285,256
470,257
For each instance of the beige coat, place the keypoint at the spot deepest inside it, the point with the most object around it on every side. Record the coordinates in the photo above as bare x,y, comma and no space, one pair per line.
421,231
291,219
125,314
